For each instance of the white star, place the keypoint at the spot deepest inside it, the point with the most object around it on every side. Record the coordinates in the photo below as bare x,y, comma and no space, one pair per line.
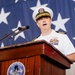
20,34
60,23
73,0
74,38
16,1
3,16
38,5
24,0
2,45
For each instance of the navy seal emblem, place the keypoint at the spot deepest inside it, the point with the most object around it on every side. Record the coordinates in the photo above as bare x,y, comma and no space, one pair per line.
16,68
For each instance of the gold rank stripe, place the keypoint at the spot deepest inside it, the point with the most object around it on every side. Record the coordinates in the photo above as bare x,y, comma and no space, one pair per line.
42,14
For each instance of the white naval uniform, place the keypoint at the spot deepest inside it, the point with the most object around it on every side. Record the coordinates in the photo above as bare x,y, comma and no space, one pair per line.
60,41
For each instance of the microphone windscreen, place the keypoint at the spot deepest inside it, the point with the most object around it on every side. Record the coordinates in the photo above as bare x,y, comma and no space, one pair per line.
27,27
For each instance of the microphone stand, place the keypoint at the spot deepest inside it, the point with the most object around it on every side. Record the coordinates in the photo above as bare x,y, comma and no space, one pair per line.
20,30
8,35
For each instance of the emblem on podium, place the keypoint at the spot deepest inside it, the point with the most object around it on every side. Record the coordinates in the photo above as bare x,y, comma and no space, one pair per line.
16,68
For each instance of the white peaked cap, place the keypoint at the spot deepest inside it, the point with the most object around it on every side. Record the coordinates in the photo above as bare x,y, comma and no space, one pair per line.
47,9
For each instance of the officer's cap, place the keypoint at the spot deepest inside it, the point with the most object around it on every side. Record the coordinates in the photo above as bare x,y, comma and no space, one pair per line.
41,12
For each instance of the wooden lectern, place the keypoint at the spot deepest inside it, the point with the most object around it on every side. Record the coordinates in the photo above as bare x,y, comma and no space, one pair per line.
39,58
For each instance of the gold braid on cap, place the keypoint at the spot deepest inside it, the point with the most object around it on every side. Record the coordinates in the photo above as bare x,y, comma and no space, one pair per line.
39,15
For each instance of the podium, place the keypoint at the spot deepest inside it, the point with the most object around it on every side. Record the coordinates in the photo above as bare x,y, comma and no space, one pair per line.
39,58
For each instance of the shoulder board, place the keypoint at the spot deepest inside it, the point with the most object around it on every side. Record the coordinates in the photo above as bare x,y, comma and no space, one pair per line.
35,38
61,32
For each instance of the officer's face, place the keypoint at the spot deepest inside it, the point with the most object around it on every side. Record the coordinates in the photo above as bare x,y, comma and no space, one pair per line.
44,23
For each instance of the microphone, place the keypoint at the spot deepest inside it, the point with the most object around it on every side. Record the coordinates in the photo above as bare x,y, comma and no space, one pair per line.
20,29
23,28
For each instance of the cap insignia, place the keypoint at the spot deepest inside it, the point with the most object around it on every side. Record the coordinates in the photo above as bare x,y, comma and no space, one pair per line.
41,10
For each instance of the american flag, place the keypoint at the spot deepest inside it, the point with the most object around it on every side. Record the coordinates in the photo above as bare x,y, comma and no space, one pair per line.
17,13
